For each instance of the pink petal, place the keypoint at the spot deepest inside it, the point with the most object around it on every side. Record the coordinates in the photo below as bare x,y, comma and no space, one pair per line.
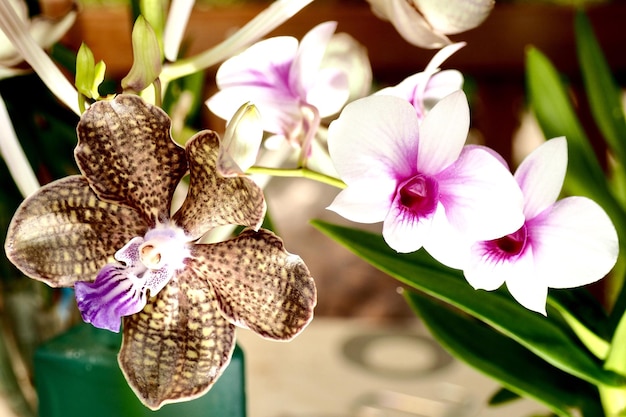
374,137
480,196
263,64
541,175
443,133
574,242
365,201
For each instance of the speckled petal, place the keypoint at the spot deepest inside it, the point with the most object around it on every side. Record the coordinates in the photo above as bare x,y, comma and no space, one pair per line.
178,345
214,200
260,286
63,233
126,151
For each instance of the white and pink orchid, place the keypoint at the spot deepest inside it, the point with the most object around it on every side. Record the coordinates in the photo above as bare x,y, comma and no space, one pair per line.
284,79
427,188
562,244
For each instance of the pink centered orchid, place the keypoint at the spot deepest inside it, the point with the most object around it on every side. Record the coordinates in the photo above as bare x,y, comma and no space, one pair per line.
418,179
285,81
562,244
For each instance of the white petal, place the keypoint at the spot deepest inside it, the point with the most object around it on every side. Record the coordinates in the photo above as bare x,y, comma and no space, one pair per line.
375,137
439,86
489,273
330,91
308,59
175,26
541,175
404,232
365,201
575,243
454,16
242,140
480,196
279,113
443,133
526,285
409,23
445,243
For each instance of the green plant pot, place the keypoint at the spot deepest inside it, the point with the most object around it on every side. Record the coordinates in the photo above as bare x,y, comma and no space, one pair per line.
77,375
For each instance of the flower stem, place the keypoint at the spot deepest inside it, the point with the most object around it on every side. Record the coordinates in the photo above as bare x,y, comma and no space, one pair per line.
298,173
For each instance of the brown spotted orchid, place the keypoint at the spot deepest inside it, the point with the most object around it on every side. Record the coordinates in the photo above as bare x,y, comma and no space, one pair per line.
110,234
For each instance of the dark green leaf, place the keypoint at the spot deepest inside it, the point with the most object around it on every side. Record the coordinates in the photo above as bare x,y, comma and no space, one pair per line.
543,336
505,360
602,91
502,396
555,114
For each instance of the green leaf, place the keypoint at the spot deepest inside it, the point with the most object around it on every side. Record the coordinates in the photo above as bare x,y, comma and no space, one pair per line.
551,104
505,360
503,396
602,91
544,336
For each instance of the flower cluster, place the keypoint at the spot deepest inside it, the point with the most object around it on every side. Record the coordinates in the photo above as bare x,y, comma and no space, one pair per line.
138,260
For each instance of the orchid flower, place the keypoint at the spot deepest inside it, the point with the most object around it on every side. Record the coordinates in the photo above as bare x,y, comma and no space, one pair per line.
424,89
562,244
425,23
418,179
285,81
109,233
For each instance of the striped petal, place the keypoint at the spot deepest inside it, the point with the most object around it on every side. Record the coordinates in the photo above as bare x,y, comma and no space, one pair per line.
178,345
126,152
259,284
214,200
63,233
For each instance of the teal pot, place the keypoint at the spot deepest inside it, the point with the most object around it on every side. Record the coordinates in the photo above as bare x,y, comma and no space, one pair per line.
77,375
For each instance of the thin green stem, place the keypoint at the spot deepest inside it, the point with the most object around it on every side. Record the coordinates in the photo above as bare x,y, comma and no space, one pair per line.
298,173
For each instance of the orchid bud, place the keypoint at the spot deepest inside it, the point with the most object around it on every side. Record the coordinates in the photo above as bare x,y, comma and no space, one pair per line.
89,75
241,143
146,57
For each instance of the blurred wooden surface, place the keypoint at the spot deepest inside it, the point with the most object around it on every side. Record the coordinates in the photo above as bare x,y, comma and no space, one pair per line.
495,48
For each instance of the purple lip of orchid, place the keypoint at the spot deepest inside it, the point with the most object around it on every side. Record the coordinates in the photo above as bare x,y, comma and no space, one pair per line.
109,233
